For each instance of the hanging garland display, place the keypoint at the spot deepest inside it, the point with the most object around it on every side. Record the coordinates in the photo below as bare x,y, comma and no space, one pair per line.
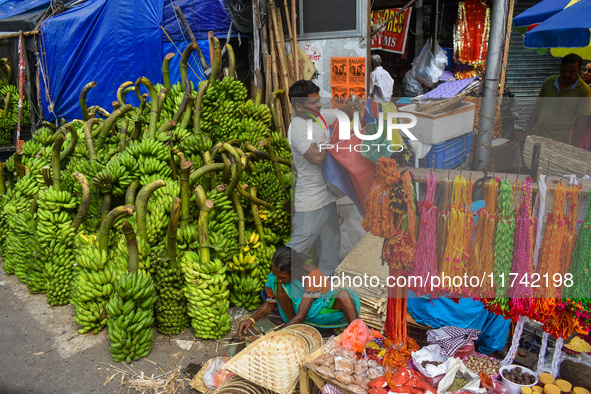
523,251
572,198
504,234
471,32
581,262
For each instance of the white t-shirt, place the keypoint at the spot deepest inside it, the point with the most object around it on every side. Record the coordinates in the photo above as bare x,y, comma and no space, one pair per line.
381,85
312,190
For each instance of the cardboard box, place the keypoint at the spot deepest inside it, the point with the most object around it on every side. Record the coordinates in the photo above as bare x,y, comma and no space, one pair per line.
433,129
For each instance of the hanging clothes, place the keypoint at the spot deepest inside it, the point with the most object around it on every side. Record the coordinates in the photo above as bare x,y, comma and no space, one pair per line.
471,32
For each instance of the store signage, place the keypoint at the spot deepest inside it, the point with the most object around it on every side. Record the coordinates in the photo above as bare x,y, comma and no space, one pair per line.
393,37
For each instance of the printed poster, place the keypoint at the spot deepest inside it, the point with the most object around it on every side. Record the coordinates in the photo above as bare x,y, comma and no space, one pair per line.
338,71
358,91
339,96
356,69
393,37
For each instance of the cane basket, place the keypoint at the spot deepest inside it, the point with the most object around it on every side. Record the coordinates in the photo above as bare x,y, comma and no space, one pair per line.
272,362
309,333
562,158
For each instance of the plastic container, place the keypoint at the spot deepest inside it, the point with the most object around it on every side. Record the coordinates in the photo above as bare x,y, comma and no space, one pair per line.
545,378
526,390
538,389
551,389
580,390
515,388
565,386
446,155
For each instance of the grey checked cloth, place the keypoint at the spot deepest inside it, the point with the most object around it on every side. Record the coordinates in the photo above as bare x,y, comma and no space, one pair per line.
452,338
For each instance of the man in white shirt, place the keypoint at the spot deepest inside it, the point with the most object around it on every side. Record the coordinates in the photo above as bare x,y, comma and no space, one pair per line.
381,83
315,220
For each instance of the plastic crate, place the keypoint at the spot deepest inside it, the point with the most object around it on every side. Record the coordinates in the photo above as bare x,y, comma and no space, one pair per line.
446,155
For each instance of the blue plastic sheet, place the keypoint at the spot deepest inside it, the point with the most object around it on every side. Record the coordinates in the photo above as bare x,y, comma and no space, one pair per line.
10,8
201,15
194,70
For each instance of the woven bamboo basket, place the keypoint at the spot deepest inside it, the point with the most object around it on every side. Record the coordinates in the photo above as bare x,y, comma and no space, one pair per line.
309,333
239,385
562,158
272,362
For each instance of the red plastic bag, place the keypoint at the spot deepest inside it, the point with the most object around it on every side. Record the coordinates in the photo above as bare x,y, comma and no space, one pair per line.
465,350
355,336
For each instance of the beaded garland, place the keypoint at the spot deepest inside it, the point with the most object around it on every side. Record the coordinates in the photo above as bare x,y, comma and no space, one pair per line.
504,237
581,261
523,252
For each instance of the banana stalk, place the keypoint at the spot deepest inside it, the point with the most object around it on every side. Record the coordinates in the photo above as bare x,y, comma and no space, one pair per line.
171,234
257,218
231,61
123,135
106,205
82,99
161,97
107,223
46,172
131,192
122,91
246,159
133,259
188,111
96,110
88,138
18,163
173,173
264,155
183,65
109,122
73,141
2,180
9,176
85,204
55,161
198,106
212,167
237,168
165,68
137,130
227,173
34,206
274,117
153,104
241,224
216,62
186,166
49,125
274,162
256,200
141,204
206,206
6,104
115,105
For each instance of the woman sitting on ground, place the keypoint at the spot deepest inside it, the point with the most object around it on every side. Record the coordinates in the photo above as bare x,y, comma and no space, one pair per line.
303,295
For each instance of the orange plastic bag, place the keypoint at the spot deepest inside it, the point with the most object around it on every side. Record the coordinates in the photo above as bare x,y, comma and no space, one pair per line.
355,336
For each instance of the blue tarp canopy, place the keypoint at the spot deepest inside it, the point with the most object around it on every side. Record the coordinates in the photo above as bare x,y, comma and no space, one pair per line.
9,8
114,41
539,12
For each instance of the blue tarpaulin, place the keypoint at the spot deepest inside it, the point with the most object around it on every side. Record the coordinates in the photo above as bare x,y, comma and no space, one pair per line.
9,8
114,41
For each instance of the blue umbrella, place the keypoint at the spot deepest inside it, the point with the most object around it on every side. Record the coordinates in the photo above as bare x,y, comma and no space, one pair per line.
567,29
540,12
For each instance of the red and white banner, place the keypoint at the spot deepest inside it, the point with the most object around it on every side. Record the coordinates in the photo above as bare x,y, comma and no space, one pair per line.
393,37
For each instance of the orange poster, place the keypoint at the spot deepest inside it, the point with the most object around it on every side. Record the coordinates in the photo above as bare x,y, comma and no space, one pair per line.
338,71
356,69
357,91
339,96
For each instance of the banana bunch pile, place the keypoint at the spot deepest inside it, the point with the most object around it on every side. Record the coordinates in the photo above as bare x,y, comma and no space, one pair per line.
278,221
222,218
223,248
9,113
171,306
55,235
219,111
173,100
113,179
20,240
92,221
131,315
207,296
193,146
281,146
187,238
93,285
159,207
146,160
245,278
264,256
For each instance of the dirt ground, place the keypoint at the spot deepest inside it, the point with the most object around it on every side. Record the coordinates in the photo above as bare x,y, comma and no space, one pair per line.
42,352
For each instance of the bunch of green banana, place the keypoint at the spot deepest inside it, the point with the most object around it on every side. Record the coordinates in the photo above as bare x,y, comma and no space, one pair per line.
187,238
280,145
171,306
173,99
146,158
278,221
207,296
222,218
245,290
265,256
115,178
93,285
19,246
55,236
223,248
131,315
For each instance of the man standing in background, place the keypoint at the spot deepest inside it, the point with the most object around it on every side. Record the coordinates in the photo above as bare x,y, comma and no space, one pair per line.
381,83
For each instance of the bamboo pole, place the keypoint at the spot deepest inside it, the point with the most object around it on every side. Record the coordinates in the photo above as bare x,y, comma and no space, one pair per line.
291,33
209,37
295,40
506,51
283,68
275,77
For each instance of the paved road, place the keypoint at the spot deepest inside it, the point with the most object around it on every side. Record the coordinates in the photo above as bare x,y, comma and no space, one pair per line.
41,351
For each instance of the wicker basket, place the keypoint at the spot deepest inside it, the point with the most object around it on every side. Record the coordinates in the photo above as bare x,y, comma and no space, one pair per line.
309,333
272,362
562,158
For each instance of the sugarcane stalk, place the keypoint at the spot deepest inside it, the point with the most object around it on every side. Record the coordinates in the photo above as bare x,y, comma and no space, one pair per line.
165,70
268,77
198,106
107,223
216,62
277,94
241,223
256,200
123,135
46,172
185,171
73,141
231,61
55,161
88,138
142,202
131,192
106,205
153,104
183,64
256,217
201,171
2,180
206,205
82,99
274,116
109,122
188,112
133,254
173,225
18,164
122,91
274,162
86,198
